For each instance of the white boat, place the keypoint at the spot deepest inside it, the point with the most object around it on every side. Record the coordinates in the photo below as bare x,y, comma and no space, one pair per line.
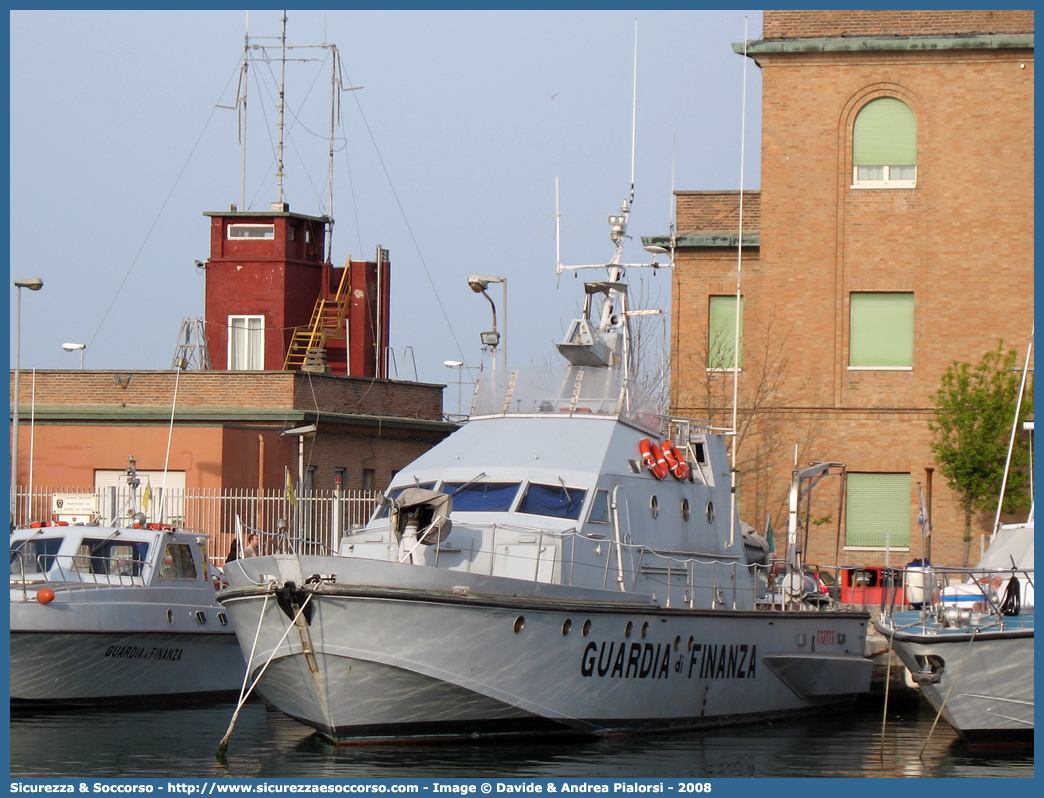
970,647
532,574
109,614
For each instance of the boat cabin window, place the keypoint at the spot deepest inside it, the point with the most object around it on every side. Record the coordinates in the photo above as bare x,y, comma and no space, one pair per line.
36,555
177,562
488,497
701,452
113,556
600,507
394,493
555,501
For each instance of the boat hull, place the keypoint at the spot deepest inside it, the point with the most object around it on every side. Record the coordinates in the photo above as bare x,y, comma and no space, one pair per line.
983,686
370,662
87,669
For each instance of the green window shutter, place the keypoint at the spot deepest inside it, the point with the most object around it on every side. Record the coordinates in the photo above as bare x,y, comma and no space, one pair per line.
877,511
721,332
881,328
885,134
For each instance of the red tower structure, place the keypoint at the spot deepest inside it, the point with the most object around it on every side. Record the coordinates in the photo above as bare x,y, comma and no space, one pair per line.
273,301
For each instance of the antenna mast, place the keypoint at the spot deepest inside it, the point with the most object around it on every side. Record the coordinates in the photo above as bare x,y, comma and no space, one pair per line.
282,96
333,125
246,66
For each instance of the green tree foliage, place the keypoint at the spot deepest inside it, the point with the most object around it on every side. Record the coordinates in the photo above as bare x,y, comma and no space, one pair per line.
974,414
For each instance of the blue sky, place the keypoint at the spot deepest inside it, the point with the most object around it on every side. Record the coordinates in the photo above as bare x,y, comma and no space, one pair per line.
447,156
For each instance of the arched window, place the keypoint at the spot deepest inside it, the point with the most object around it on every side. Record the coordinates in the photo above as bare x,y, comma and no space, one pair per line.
884,145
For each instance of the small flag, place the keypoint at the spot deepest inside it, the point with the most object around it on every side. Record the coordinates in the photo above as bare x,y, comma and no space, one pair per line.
146,497
290,488
922,514
768,535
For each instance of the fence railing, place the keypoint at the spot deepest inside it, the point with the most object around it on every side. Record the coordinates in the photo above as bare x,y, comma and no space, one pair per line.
312,523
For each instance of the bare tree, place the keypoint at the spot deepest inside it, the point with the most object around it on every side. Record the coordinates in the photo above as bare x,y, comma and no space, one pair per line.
768,401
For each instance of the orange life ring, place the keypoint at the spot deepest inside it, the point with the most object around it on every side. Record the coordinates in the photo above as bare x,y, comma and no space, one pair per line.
675,462
653,458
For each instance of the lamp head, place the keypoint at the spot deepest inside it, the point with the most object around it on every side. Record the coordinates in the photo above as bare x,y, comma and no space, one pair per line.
453,364
32,283
478,285
73,347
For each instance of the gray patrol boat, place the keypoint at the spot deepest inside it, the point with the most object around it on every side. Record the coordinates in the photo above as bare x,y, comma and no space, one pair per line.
568,562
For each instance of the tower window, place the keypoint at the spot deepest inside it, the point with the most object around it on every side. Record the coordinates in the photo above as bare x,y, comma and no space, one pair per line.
246,343
244,231
884,145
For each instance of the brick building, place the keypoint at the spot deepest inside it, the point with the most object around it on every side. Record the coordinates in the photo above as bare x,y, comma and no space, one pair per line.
892,235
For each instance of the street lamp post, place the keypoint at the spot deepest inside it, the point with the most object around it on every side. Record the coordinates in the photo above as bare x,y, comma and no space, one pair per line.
479,283
33,284
458,365
76,348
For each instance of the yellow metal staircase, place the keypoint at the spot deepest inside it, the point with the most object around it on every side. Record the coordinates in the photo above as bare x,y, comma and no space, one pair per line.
307,349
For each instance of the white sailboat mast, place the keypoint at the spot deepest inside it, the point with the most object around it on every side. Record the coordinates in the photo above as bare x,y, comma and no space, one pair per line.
739,306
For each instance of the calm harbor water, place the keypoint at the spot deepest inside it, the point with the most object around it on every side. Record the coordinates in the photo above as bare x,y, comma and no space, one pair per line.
181,743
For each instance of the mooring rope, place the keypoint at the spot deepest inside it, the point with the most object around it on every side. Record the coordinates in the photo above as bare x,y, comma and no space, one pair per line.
223,745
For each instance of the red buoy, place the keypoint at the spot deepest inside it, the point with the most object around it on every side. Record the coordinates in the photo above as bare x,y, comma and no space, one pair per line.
45,595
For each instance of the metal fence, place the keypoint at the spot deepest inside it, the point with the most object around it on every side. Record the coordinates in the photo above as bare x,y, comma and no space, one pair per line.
311,523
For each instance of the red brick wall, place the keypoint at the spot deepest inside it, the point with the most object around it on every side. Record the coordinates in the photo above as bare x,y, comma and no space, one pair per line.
234,389
893,22
717,212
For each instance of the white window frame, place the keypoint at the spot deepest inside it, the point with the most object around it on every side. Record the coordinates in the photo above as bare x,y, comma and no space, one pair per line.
886,182
251,232
250,356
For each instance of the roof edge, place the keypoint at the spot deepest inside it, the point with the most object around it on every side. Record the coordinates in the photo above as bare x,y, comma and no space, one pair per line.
843,44
722,240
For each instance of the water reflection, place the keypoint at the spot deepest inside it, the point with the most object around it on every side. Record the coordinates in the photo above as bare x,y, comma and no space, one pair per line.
182,743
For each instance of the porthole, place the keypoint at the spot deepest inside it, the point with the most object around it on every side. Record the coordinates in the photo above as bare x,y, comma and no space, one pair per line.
567,627
685,509
654,506
520,623
628,629
677,643
645,629
691,643
170,616
710,512
587,627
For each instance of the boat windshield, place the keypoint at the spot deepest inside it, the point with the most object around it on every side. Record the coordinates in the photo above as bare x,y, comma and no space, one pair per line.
555,501
488,497
126,558
177,562
34,556
568,389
